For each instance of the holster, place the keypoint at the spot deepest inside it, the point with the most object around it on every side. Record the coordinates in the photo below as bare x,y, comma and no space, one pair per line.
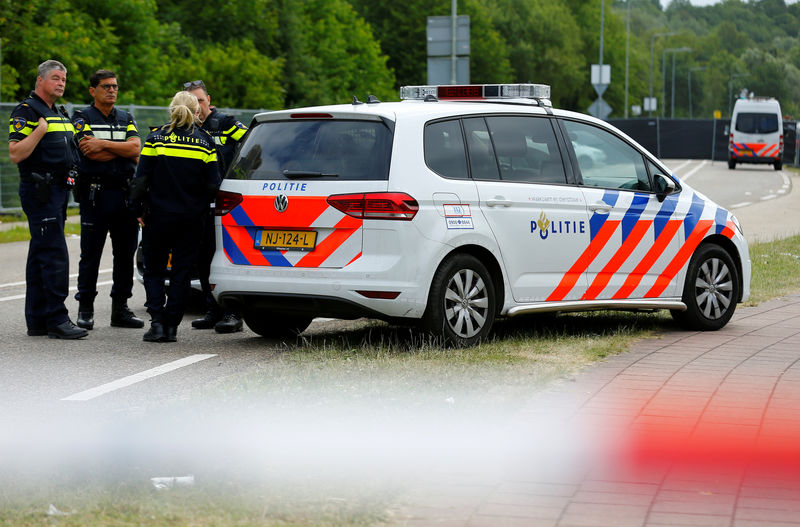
42,185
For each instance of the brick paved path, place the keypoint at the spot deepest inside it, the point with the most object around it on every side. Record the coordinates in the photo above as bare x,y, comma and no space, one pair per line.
689,429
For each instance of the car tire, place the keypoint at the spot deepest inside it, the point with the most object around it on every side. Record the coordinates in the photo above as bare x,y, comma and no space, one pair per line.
271,325
778,165
731,164
711,290
462,302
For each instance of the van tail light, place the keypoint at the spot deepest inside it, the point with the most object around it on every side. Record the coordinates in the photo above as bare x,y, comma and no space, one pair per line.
730,141
226,202
780,144
376,205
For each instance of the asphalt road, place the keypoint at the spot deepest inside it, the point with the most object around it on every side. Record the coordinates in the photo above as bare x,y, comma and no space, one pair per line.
40,372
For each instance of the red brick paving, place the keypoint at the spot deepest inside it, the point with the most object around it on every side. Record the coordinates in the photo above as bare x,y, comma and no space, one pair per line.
686,429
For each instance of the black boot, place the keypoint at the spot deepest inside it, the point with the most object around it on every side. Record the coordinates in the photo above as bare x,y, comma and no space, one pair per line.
155,333
85,316
122,317
210,319
170,334
230,323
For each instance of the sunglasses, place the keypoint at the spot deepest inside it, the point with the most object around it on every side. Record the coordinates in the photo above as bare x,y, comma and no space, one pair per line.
193,84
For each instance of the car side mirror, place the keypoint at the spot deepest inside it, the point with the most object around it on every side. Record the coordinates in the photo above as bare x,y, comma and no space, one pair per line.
664,186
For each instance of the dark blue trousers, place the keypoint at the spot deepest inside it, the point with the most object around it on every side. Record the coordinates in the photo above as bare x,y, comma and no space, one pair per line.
106,214
161,235
47,268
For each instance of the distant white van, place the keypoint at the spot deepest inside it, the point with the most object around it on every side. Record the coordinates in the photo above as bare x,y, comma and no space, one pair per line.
756,134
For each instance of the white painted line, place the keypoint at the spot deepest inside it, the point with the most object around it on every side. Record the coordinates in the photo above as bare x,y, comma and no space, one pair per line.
13,284
137,377
768,196
742,204
73,288
692,171
687,162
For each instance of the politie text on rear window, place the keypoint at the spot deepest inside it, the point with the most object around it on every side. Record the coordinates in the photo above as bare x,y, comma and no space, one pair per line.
322,149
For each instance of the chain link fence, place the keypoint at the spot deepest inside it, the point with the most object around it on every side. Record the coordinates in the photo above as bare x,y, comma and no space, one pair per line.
146,117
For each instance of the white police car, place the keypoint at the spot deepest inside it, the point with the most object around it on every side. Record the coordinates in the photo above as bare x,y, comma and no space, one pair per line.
458,205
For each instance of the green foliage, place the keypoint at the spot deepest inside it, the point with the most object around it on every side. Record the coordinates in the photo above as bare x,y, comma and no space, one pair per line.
286,53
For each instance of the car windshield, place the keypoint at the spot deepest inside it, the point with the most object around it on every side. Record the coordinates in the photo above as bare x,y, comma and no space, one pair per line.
757,123
319,149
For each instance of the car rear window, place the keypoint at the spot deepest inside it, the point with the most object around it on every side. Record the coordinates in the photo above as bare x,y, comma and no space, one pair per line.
326,149
757,123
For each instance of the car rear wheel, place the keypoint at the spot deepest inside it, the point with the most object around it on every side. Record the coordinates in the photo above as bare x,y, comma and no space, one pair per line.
462,301
272,325
711,290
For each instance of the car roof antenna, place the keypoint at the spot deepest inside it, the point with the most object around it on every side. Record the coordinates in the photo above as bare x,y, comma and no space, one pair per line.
356,101
371,99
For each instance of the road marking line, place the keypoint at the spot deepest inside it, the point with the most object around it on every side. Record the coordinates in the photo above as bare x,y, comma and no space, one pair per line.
692,171
12,284
137,377
73,288
687,162
742,204
768,196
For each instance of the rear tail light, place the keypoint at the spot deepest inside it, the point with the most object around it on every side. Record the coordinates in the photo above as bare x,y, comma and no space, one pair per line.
382,295
780,144
376,205
730,140
226,202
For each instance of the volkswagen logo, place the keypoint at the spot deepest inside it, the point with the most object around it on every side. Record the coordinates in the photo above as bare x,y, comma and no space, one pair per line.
281,202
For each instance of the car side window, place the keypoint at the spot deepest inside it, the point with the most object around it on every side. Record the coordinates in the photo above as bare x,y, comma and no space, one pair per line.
482,160
444,149
526,149
605,160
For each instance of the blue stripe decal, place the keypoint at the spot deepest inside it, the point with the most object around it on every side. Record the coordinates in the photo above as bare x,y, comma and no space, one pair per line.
231,249
275,258
662,217
240,217
693,216
597,220
721,220
633,214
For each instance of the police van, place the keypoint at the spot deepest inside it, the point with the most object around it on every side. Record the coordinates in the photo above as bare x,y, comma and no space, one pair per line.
458,205
756,133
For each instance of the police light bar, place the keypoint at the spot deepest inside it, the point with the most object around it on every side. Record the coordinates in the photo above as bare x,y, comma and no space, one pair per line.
477,91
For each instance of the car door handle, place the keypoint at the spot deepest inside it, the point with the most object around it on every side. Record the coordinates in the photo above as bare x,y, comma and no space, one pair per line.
600,208
498,201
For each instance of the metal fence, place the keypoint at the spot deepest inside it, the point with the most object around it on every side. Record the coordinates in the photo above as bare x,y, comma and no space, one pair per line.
146,117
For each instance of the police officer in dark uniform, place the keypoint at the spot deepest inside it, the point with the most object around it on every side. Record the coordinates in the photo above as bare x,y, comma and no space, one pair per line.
227,132
40,142
109,144
176,178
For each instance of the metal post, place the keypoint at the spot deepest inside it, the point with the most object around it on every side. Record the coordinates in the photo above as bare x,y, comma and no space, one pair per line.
664,74
699,68
672,103
453,12
652,50
627,50
730,88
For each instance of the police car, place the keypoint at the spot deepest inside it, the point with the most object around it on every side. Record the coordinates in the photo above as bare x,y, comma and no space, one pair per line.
458,205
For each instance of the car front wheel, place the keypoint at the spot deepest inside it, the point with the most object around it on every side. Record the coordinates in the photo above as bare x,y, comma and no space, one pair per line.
462,301
272,325
711,290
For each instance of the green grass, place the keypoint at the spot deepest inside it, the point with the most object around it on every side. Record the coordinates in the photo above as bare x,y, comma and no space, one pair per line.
776,269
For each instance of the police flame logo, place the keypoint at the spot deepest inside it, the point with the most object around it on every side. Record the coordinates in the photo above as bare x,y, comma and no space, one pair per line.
281,202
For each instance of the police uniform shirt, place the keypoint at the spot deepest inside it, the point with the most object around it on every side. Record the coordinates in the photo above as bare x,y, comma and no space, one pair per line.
177,171
91,122
50,153
227,131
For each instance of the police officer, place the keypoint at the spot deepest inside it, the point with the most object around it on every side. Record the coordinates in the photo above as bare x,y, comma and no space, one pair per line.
227,133
109,144
40,142
176,178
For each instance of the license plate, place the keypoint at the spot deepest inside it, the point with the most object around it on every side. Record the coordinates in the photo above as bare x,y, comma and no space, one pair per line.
285,240
745,152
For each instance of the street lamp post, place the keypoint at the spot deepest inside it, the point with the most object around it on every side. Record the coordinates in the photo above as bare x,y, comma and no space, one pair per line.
652,44
698,68
730,87
664,74
627,49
